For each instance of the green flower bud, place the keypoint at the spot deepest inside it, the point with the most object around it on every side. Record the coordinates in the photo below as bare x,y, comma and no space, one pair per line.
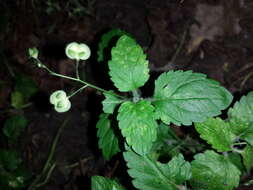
33,52
77,51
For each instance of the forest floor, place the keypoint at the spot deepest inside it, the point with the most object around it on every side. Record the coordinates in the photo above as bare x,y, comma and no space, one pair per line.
213,37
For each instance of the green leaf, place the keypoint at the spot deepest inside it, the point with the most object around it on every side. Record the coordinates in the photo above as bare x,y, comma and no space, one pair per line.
213,171
108,141
128,67
217,133
241,118
105,41
167,143
110,102
102,183
186,97
9,160
26,86
149,174
235,159
17,99
247,156
14,126
138,125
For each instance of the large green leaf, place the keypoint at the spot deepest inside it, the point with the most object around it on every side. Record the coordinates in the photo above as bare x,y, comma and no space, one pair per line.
128,66
212,171
14,126
138,125
241,118
216,132
247,156
108,142
149,174
105,41
102,183
110,102
186,97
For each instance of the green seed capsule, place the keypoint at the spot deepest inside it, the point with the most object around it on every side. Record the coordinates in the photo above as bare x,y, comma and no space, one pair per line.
77,51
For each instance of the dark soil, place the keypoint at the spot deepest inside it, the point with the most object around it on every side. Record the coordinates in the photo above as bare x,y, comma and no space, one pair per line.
175,35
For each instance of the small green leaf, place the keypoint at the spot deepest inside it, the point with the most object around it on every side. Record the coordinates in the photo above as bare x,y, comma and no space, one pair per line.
241,118
149,174
17,99
128,66
110,102
9,160
138,125
102,183
247,156
26,86
105,41
14,126
186,97
213,171
217,133
108,142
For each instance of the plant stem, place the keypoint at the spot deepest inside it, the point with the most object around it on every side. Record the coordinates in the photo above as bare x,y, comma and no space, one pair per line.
48,176
48,168
83,87
41,65
136,95
77,71
240,143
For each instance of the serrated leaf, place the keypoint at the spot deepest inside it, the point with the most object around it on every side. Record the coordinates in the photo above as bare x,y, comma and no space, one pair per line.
110,102
128,66
102,183
213,171
108,141
149,174
138,125
186,97
241,118
14,126
247,156
217,133
105,41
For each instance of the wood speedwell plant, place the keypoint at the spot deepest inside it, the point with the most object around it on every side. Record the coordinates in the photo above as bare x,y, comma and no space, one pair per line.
182,98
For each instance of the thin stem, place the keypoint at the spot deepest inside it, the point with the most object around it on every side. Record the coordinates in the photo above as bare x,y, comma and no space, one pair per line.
179,48
74,79
136,95
80,89
240,143
47,177
47,165
78,163
77,71
237,150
